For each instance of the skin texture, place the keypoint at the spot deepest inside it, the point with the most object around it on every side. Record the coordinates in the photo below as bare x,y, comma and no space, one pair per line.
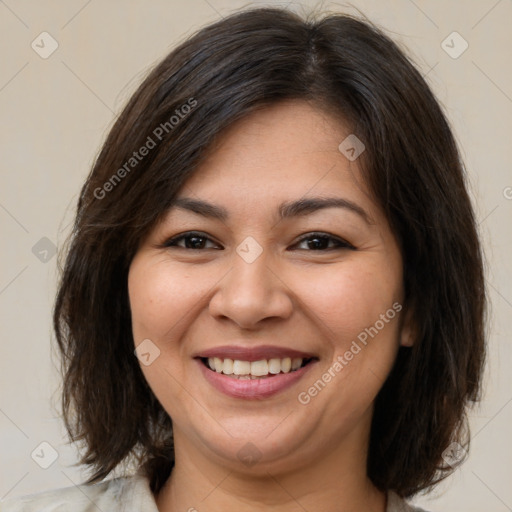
293,295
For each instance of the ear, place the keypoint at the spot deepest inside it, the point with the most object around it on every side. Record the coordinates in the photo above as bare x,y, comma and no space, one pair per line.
408,331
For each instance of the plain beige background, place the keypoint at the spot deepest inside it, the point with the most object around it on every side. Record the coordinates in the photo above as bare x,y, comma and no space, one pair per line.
56,111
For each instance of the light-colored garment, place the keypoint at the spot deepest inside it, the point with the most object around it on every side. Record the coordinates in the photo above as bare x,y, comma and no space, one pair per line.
123,494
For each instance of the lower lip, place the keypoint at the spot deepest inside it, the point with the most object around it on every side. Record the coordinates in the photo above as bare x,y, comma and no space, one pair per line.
256,389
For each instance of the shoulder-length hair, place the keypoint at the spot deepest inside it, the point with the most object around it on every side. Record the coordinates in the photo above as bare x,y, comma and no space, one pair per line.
247,61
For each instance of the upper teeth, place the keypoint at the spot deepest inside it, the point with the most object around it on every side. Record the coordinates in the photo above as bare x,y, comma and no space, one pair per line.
254,368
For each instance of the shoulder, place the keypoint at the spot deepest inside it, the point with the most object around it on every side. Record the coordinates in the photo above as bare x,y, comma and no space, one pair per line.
397,504
121,494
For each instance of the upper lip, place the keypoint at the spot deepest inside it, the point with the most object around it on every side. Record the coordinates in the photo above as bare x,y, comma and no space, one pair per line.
252,353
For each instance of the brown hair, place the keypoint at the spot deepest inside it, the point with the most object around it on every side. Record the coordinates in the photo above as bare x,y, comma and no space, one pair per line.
244,62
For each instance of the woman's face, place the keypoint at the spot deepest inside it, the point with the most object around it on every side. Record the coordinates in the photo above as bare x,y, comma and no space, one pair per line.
305,298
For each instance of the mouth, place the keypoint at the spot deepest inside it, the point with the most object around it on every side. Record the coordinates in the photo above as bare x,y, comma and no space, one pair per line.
255,373
250,370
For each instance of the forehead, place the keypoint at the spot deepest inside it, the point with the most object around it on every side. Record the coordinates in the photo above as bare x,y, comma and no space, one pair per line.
279,153
285,133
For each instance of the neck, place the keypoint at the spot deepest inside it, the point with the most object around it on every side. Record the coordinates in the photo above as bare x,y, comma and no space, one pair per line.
337,481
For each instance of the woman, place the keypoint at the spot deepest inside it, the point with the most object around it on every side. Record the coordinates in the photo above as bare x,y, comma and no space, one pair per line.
273,297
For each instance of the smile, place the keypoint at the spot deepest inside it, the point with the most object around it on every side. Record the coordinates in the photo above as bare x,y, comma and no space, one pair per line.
255,372
255,369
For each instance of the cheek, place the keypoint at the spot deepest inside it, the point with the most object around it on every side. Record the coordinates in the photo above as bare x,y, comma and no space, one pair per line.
352,298
159,299
358,310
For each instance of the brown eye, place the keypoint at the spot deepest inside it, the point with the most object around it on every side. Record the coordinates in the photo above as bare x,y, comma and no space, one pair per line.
191,240
324,242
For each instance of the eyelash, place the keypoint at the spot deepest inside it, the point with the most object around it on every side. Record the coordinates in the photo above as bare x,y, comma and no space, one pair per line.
341,244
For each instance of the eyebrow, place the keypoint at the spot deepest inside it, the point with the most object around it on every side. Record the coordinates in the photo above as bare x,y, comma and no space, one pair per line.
286,210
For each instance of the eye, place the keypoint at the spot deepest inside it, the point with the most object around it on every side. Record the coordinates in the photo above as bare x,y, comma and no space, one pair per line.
195,240
191,240
322,241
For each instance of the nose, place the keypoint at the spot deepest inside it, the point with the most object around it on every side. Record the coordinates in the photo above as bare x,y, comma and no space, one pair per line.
251,293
